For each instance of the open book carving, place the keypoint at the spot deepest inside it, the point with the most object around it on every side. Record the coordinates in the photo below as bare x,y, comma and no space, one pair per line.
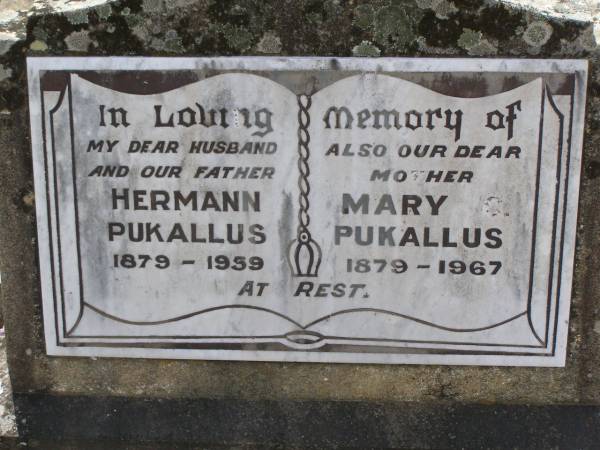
245,209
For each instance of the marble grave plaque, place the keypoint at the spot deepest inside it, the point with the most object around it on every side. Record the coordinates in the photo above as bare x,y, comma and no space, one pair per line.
386,210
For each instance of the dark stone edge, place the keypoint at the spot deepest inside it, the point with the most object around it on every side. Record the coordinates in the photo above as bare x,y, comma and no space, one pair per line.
306,424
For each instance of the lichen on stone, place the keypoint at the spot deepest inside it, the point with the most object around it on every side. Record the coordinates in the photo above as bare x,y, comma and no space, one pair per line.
174,46
444,9
157,44
238,38
587,39
40,33
393,26
364,15
366,48
584,43
78,41
270,43
425,48
77,16
173,4
484,48
134,20
441,8
425,4
332,7
173,42
237,10
141,32
475,44
152,5
104,11
38,46
537,33
469,38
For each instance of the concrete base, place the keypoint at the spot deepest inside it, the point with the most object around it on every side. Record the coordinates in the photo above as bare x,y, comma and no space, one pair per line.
306,424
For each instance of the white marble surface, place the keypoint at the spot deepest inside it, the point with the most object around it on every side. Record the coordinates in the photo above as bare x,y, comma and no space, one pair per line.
475,269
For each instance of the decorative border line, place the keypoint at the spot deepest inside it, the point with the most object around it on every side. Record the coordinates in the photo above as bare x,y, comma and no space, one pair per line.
304,102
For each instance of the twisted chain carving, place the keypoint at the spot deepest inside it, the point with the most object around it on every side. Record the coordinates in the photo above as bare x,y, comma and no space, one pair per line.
304,102
304,254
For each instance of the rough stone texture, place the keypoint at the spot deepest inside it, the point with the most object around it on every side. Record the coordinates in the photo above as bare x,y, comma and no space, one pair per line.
8,425
289,27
